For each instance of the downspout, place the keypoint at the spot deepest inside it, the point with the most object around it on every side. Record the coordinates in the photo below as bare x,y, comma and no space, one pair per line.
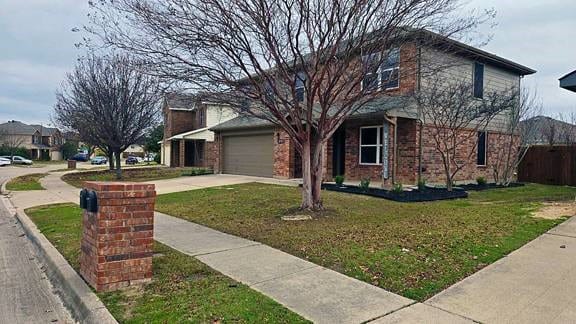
420,121
394,124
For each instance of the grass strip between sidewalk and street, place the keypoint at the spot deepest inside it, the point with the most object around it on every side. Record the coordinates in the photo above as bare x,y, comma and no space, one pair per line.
26,182
412,249
183,289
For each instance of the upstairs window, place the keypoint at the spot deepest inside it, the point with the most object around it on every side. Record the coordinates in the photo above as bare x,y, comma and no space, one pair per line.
300,86
390,69
371,81
481,151
381,73
478,80
371,145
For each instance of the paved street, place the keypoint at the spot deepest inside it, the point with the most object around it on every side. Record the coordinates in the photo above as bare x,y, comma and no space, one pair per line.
25,293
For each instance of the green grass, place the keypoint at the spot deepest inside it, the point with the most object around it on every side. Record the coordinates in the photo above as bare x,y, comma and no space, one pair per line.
413,249
183,289
137,174
26,182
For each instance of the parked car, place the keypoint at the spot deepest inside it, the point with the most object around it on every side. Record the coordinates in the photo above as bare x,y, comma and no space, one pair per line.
5,162
80,157
16,159
132,160
99,160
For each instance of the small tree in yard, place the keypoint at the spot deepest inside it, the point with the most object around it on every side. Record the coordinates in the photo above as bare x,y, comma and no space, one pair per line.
293,63
516,138
110,102
454,117
152,139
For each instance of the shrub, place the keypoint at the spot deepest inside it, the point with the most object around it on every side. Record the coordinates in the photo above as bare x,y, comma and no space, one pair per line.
481,181
365,184
398,188
422,184
157,158
21,151
339,179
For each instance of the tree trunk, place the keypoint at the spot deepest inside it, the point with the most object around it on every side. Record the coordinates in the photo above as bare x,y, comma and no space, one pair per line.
307,201
110,156
317,174
118,166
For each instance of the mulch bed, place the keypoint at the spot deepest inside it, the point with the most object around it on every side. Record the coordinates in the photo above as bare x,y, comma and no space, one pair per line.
477,187
429,194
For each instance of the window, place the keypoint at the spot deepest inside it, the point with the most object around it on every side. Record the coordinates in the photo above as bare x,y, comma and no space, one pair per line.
390,69
370,81
201,117
381,73
481,152
300,86
371,145
478,80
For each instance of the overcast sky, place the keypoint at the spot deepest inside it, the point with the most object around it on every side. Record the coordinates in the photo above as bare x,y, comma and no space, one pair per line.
37,49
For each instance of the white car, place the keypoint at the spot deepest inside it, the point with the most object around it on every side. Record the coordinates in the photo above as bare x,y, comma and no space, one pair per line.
4,162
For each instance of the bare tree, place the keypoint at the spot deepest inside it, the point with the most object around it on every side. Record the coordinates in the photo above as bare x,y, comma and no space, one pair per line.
455,117
567,128
517,137
10,140
110,102
293,63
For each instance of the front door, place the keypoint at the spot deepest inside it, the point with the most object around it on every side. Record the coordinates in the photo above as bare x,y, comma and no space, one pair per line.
339,152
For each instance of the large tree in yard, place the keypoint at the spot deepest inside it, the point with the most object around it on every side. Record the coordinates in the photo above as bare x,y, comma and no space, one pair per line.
110,102
294,63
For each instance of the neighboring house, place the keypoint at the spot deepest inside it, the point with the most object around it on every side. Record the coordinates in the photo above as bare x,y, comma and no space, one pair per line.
544,130
134,150
368,145
42,142
568,81
188,140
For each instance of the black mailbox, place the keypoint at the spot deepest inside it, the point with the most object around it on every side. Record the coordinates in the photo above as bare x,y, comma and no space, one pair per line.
91,201
83,197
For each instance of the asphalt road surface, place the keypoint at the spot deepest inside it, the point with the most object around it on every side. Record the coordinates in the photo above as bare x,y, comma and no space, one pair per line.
26,295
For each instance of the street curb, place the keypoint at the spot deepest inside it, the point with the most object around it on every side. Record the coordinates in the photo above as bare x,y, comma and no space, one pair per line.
83,304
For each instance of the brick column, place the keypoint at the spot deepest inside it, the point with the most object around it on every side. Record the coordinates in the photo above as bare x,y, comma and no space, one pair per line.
182,156
117,240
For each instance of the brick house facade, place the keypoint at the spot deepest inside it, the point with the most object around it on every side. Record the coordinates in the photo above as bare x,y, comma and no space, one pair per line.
187,141
390,131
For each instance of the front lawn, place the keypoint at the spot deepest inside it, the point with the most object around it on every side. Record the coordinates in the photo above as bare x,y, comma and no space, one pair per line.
26,182
413,249
136,174
183,289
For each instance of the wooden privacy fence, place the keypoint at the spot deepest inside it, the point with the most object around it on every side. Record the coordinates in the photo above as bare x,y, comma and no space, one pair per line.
555,165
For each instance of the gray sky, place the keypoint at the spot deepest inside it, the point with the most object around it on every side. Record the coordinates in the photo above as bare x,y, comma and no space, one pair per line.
37,49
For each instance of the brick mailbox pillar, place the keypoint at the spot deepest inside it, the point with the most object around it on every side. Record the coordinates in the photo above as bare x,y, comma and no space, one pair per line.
117,234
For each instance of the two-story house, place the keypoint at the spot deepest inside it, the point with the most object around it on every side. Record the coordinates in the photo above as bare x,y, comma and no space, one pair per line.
381,140
188,140
44,143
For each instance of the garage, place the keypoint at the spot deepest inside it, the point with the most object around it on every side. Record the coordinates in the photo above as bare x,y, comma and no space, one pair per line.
250,154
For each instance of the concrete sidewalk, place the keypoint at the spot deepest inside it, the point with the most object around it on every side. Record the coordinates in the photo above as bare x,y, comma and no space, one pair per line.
534,284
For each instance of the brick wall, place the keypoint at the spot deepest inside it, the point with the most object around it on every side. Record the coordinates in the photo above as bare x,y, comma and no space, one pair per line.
433,168
178,121
117,241
211,154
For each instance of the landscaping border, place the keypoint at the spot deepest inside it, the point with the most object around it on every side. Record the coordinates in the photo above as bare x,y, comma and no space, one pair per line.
430,194
84,305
